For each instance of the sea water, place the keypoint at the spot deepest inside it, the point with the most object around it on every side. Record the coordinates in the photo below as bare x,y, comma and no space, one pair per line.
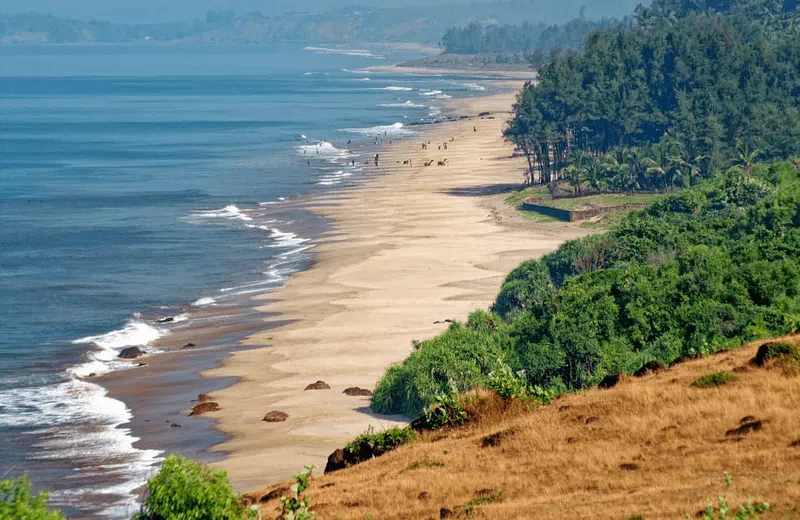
139,183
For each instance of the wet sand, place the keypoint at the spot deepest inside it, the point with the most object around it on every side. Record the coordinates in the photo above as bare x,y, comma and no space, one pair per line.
409,248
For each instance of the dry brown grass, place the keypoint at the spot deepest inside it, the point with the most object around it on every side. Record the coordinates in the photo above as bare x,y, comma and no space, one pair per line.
653,446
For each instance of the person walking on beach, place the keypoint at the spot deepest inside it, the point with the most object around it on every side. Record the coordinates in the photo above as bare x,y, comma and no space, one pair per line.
376,159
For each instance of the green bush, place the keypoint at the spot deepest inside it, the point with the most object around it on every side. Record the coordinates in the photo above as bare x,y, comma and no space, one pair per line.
714,379
186,490
17,502
378,443
295,507
721,511
456,361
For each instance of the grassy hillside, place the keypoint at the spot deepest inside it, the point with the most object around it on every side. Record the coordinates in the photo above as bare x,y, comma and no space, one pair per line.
655,446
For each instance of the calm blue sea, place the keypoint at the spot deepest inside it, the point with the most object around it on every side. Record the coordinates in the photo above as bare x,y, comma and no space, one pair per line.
135,180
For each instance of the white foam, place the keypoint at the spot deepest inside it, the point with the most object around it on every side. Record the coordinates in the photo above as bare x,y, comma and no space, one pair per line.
356,71
228,212
347,52
322,149
204,301
475,86
285,238
387,130
79,422
280,200
333,178
407,104
426,93
105,356
393,88
364,79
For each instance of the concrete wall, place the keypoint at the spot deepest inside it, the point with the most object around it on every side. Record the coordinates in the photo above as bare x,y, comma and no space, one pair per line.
573,216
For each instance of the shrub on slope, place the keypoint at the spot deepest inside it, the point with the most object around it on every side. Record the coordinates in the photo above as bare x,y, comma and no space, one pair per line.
705,270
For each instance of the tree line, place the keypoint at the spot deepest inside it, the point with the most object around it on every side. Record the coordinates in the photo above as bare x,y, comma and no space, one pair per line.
478,38
680,93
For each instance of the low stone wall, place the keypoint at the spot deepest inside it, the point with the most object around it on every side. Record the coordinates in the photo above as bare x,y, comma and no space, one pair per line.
566,215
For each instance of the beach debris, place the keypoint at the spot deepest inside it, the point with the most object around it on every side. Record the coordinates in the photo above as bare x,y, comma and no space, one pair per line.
169,319
93,374
189,345
591,420
175,425
203,398
628,466
275,416
651,367
131,353
319,385
484,114
356,391
205,407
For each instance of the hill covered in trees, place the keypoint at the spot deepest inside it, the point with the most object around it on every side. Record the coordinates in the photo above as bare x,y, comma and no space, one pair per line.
684,91
356,23
690,92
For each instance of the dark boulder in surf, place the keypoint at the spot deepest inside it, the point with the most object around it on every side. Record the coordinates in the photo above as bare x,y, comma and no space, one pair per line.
166,320
275,416
319,385
131,353
204,407
357,392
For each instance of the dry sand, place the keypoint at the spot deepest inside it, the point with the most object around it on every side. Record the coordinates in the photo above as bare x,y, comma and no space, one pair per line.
409,247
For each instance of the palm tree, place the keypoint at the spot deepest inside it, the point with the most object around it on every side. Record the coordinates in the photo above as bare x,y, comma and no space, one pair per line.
595,174
618,169
636,160
745,155
577,171
665,165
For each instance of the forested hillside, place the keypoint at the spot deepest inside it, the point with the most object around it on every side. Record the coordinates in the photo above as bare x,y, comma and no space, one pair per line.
687,96
681,94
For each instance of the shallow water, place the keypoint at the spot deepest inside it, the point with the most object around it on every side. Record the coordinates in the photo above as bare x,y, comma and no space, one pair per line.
138,183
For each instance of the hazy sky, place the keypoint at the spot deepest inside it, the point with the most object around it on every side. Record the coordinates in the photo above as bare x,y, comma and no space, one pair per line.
161,10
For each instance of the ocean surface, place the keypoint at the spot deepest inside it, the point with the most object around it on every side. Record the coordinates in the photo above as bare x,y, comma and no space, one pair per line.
140,185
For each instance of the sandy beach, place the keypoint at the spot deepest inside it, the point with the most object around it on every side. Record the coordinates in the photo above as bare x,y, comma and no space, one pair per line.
410,247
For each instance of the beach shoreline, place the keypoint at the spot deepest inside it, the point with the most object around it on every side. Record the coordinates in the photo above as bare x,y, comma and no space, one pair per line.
410,247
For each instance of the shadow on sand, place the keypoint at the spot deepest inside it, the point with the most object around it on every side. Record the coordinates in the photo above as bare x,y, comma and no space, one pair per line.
484,190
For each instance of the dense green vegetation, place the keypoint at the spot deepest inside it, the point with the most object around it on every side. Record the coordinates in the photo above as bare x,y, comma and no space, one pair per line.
682,93
697,272
17,502
476,38
187,490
